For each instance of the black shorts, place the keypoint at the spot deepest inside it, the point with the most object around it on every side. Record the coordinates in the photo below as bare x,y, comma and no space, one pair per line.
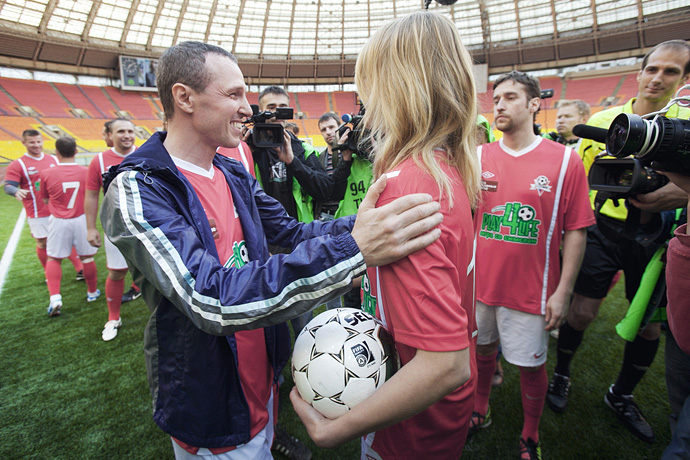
604,258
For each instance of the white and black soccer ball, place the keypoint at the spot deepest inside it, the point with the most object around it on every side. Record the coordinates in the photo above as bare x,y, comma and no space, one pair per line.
340,358
526,213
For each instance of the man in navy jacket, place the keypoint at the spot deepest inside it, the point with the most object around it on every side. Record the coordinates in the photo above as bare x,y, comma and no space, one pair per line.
154,215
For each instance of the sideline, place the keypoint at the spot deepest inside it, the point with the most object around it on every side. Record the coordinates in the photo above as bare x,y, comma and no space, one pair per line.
11,247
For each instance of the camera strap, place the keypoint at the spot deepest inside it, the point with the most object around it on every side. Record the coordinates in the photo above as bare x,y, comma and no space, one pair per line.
611,228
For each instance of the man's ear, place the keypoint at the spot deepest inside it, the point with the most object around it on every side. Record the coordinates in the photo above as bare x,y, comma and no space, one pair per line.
534,104
182,97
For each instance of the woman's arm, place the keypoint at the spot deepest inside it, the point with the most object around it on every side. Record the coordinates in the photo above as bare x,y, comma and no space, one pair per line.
423,381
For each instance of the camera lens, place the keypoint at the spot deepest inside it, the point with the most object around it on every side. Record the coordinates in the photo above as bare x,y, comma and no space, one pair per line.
626,135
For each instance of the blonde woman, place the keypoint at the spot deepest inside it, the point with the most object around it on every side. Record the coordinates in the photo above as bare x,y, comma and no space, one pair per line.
415,79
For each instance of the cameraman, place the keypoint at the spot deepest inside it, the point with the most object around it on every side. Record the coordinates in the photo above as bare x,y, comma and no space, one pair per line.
664,69
352,176
678,336
292,174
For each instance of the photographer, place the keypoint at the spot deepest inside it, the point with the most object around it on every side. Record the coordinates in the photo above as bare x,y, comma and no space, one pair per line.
292,174
664,69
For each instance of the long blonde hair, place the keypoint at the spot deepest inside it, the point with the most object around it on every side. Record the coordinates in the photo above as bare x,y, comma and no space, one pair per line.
415,78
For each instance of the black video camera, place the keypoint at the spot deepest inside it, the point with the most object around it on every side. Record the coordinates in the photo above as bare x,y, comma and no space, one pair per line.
660,143
268,134
354,139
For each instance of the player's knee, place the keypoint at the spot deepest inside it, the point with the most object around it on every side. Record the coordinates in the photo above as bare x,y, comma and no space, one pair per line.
488,349
582,313
117,275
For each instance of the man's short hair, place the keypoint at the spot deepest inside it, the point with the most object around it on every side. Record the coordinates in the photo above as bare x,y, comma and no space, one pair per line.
273,90
581,106
531,84
30,133
185,63
108,125
678,46
66,146
329,116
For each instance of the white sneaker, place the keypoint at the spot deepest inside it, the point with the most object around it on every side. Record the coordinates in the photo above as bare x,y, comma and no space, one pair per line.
55,306
110,329
93,296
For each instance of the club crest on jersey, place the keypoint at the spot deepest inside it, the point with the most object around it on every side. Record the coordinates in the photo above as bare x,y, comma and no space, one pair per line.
541,184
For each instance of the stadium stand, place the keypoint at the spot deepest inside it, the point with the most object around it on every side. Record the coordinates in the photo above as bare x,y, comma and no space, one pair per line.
344,102
7,105
55,104
628,89
133,103
592,90
39,95
312,105
99,99
78,100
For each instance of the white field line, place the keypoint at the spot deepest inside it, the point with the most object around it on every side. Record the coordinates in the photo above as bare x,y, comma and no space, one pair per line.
11,247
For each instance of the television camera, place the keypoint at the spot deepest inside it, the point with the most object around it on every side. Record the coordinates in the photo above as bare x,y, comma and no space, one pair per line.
640,145
264,134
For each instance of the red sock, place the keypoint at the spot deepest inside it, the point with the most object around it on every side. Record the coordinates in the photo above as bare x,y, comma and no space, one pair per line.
134,286
53,275
76,261
42,256
486,366
91,276
113,295
533,386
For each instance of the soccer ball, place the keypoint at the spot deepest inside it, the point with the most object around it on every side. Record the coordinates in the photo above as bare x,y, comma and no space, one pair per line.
340,358
526,213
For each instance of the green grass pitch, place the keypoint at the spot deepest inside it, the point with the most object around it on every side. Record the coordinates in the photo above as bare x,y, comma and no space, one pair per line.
66,394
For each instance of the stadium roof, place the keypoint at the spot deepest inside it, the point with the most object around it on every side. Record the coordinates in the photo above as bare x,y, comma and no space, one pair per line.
317,41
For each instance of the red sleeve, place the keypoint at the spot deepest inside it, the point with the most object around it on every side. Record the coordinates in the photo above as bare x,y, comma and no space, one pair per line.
423,293
94,180
14,173
578,209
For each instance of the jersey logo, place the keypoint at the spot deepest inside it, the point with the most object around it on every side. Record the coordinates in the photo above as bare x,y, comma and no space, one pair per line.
489,185
368,300
541,184
488,174
517,219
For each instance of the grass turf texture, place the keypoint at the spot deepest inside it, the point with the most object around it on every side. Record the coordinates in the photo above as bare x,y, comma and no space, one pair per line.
66,394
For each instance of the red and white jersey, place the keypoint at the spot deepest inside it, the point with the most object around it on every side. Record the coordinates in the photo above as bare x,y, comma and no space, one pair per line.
530,198
26,171
99,165
426,301
240,153
63,186
256,374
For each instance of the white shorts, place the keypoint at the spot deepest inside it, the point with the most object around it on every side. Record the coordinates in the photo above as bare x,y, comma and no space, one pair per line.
38,227
524,342
113,257
65,233
258,448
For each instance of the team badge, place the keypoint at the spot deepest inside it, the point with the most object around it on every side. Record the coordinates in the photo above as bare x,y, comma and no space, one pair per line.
541,184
